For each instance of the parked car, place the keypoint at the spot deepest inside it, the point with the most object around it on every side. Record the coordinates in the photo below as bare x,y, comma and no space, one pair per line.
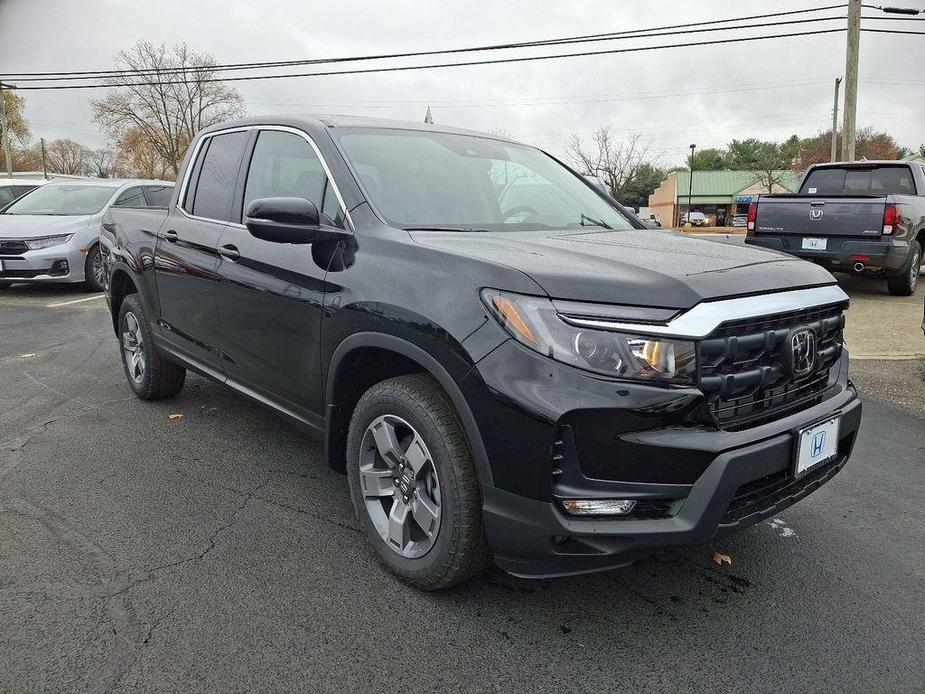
12,188
739,220
652,221
867,218
517,371
697,219
51,234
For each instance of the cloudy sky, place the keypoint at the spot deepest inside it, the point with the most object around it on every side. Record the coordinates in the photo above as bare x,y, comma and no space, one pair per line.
701,94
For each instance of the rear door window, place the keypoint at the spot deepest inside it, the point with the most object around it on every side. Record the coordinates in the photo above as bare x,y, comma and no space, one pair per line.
159,196
215,188
875,180
133,197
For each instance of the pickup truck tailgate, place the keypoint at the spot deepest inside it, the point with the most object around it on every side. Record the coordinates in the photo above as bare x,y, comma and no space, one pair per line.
855,216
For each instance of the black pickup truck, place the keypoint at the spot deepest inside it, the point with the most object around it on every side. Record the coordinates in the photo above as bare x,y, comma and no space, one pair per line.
504,361
866,218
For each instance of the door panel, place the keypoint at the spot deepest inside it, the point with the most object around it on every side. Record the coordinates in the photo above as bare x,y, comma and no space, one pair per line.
185,267
269,303
270,294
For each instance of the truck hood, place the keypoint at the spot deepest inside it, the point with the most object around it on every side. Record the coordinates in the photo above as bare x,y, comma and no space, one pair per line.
29,226
635,267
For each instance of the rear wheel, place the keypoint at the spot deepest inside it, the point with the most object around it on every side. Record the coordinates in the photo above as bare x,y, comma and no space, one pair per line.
904,282
149,373
95,270
414,485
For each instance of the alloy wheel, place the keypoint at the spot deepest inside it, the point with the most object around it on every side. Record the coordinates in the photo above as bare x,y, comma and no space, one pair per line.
400,486
133,348
98,269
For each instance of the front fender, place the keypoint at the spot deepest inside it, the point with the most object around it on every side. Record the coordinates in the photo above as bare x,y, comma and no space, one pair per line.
430,363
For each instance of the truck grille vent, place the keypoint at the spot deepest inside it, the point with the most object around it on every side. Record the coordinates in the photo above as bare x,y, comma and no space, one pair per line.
743,366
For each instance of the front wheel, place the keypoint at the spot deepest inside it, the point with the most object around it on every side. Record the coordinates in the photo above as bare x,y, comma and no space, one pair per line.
904,282
414,485
95,270
150,375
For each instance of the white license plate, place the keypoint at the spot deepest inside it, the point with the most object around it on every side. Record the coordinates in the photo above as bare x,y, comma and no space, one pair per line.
817,444
814,244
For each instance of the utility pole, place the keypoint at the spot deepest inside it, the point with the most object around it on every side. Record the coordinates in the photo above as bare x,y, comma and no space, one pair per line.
690,186
835,121
851,80
5,134
44,165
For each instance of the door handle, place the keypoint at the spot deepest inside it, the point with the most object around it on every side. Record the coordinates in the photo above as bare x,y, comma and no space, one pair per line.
229,251
171,236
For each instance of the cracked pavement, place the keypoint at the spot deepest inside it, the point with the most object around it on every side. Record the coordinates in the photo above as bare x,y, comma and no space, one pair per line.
217,552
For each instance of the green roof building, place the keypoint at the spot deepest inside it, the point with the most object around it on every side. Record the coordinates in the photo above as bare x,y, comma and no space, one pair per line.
718,194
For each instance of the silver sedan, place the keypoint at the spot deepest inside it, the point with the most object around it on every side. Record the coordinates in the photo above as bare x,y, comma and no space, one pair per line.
52,233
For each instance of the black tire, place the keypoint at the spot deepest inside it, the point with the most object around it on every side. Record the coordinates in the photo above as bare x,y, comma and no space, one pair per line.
459,551
94,281
157,377
904,282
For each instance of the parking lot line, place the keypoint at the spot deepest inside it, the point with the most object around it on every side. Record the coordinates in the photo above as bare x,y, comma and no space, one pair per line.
75,301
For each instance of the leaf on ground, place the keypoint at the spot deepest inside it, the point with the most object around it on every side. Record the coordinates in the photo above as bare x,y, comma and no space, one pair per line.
27,356
175,415
721,559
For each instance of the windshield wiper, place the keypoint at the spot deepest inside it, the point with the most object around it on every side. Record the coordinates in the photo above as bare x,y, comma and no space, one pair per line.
443,229
585,221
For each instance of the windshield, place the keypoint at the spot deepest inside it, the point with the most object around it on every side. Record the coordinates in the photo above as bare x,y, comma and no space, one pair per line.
424,180
874,180
63,200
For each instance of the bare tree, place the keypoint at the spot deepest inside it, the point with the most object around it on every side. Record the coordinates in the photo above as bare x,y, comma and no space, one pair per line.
105,163
769,164
139,158
616,162
169,102
67,157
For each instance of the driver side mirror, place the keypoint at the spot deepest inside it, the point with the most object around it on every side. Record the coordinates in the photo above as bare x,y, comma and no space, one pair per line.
288,220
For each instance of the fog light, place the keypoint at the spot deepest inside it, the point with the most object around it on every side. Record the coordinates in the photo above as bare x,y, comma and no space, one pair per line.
59,267
598,507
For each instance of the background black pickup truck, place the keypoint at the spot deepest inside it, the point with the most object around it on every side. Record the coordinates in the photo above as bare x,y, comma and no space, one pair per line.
861,217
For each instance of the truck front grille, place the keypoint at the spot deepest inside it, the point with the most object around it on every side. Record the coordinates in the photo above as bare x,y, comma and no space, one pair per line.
743,366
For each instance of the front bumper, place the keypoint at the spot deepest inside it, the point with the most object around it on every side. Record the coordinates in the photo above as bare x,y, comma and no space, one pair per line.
888,255
43,266
694,481
738,489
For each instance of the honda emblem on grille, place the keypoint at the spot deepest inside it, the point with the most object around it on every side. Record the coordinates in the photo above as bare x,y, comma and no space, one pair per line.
815,215
803,352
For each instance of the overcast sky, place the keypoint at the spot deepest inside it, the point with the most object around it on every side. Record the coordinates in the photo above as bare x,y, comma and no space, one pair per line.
702,94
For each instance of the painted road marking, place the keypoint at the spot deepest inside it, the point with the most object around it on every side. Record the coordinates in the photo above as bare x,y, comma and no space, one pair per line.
76,301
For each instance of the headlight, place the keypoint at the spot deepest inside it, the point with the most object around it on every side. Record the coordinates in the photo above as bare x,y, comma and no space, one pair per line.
534,322
48,241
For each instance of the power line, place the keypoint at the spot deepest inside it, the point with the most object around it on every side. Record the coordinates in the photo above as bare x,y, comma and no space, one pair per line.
432,66
631,33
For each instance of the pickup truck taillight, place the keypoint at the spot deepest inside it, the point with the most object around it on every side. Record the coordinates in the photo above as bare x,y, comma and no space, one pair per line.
753,215
892,214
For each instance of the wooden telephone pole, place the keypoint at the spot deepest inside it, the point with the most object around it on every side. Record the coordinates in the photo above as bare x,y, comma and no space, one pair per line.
835,122
849,134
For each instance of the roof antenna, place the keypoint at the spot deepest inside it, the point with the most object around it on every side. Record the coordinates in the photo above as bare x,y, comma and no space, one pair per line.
427,117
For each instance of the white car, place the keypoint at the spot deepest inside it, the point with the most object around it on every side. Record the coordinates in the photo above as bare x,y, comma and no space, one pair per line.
51,234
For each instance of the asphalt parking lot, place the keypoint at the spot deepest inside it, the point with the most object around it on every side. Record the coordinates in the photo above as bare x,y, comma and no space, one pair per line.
216,552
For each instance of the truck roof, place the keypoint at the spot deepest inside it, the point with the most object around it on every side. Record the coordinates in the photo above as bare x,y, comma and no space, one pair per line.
862,164
314,122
